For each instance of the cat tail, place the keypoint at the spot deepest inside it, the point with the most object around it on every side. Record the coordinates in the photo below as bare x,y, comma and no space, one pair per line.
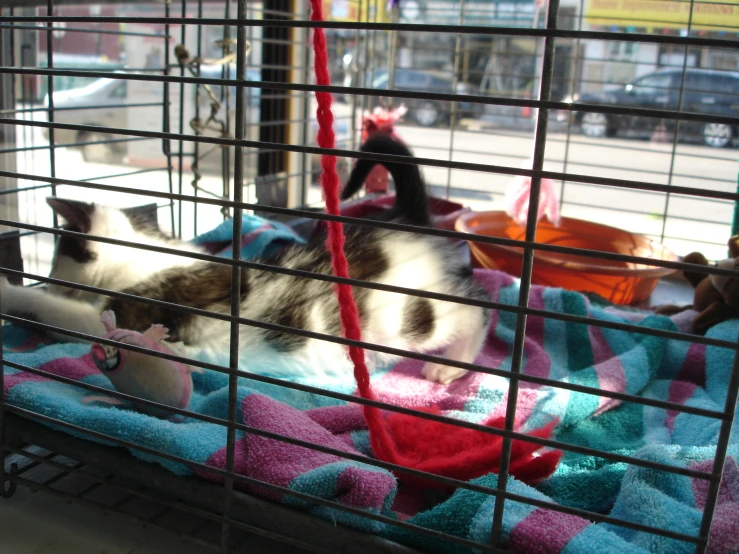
411,199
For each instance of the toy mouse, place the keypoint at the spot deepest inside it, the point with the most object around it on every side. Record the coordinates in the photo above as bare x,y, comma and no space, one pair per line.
716,297
156,379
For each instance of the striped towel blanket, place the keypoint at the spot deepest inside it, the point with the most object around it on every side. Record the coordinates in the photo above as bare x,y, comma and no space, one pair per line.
648,366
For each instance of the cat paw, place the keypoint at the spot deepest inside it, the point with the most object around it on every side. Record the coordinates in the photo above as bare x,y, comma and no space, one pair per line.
443,374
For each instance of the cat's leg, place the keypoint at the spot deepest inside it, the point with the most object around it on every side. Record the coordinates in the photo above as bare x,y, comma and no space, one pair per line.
39,306
465,349
469,327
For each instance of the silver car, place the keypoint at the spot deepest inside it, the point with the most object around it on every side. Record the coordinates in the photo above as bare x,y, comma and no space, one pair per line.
103,103
107,96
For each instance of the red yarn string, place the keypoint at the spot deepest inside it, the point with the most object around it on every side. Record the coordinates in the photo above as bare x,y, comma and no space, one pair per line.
380,441
426,445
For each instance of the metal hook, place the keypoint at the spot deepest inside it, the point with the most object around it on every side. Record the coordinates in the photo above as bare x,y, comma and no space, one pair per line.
229,55
12,485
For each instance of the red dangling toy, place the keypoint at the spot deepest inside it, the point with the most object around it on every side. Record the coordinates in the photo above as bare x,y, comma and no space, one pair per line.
415,443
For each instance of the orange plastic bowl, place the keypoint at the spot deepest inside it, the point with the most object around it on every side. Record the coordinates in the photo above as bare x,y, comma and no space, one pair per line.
616,281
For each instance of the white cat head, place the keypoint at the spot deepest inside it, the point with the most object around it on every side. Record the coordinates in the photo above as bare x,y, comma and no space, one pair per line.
99,264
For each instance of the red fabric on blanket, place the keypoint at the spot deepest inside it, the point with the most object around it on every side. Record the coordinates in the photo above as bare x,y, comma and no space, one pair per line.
461,453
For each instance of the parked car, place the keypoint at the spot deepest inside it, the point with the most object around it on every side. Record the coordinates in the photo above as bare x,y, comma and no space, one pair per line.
427,113
110,94
705,91
100,92
34,87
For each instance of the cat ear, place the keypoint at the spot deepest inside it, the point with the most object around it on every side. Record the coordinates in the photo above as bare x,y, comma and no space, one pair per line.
77,214
146,215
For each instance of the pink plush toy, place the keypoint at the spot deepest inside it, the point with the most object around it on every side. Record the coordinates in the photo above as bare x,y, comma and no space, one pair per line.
156,379
517,199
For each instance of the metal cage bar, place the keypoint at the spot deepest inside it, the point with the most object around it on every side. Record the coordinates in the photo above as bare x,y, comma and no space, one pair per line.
708,270
555,175
527,267
366,30
245,479
235,273
492,100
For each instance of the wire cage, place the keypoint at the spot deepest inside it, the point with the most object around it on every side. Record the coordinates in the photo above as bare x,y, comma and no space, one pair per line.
202,111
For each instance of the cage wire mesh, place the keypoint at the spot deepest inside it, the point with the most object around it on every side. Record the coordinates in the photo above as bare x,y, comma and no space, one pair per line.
207,110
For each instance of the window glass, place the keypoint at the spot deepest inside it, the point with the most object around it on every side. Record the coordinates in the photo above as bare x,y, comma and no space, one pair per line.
96,86
411,79
120,90
439,83
380,82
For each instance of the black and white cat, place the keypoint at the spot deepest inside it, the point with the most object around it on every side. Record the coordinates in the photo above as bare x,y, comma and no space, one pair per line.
382,256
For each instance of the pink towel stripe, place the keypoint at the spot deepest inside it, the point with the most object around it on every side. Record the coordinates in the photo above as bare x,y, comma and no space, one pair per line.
526,402
680,392
694,366
20,378
420,392
611,377
545,532
538,363
601,349
71,368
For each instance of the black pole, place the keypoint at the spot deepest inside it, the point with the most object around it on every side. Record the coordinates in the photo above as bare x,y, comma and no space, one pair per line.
271,187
